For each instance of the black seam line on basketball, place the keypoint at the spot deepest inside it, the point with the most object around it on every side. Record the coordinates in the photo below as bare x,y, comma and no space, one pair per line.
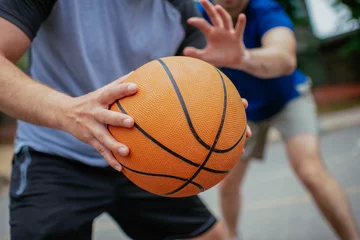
187,115
201,188
167,149
227,171
213,145
231,148
183,105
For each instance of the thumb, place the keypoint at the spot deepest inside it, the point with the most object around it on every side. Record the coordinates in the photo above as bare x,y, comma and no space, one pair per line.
110,93
116,90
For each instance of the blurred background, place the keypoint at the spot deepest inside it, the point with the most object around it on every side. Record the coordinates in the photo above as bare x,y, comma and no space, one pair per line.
275,205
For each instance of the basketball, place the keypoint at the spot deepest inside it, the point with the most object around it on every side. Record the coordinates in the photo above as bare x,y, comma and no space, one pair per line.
189,131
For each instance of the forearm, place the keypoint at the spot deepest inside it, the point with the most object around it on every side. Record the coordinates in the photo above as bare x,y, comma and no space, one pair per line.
267,63
23,98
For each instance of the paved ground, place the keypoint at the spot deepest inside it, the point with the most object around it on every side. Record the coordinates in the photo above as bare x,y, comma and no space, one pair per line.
275,205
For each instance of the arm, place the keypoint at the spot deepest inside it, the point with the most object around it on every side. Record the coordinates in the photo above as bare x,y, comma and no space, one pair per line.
276,57
225,48
20,96
24,98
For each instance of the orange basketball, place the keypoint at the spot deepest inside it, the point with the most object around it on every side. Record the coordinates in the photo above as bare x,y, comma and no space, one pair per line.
189,131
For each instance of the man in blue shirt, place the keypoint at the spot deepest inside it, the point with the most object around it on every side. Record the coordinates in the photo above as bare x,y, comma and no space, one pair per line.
260,59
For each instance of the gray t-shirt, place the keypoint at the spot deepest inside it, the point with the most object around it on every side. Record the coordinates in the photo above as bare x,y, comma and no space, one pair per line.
79,46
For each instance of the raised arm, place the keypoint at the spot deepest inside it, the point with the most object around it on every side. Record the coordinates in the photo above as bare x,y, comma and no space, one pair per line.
225,46
276,57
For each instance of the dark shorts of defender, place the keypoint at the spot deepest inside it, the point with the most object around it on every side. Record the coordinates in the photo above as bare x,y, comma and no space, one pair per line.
52,197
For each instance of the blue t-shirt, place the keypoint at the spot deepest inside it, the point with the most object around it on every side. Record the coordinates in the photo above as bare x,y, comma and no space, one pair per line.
266,97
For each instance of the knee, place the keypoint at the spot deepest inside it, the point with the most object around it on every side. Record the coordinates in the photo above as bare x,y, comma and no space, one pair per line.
312,176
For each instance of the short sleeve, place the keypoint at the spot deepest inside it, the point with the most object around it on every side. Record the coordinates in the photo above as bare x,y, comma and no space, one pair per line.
270,15
28,15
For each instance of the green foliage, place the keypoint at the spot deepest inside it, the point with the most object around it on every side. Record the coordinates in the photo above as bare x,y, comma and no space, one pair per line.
353,44
22,63
354,6
296,10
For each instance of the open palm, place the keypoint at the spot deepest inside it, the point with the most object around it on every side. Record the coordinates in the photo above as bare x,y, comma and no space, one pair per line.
225,46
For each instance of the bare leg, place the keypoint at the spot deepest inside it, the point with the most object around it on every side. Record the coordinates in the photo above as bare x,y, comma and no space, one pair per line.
304,156
230,197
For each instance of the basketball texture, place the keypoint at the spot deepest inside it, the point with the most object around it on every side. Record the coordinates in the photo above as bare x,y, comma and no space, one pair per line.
190,127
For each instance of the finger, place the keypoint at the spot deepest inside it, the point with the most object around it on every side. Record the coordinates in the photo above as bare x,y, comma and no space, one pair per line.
107,155
225,16
111,93
114,118
201,24
104,137
212,13
240,25
248,131
194,52
245,102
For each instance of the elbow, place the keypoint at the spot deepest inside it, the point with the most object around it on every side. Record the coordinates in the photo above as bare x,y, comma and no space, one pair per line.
290,65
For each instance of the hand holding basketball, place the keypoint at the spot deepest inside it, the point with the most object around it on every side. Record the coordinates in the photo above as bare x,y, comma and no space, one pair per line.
89,114
190,127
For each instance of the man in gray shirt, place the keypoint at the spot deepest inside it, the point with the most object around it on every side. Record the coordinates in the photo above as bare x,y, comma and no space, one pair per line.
63,170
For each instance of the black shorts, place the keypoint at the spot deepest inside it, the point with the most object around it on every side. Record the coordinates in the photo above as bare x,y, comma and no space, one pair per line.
52,197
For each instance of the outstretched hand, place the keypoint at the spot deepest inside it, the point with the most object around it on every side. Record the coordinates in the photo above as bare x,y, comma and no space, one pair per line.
225,46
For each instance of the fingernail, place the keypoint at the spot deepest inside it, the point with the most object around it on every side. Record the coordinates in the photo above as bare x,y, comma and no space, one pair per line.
118,168
123,151
132,87
128,122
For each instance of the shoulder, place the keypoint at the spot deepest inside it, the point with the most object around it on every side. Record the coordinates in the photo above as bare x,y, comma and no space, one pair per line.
261,9
187,8
268,14
26,14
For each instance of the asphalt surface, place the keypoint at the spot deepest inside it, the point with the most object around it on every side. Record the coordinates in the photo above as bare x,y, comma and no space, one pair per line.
276,206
